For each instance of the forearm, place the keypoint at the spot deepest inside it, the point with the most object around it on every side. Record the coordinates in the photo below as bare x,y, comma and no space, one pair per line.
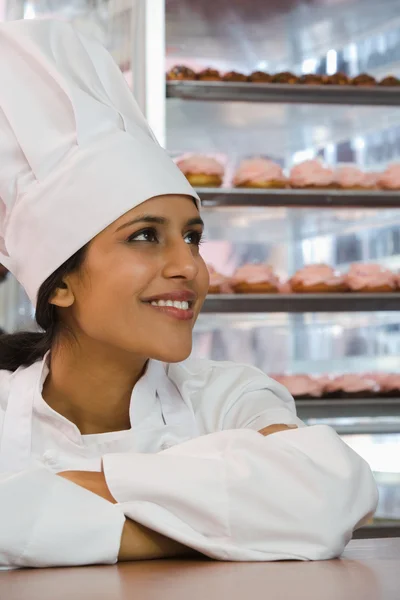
137,542
140,543
235,495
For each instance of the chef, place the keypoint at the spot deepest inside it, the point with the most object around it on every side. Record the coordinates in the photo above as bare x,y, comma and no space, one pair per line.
113,446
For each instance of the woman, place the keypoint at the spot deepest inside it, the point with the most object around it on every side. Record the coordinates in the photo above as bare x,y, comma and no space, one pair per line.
112,445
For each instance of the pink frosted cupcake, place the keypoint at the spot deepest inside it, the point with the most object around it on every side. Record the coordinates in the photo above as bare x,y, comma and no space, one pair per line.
301,386
219,284
390,179
311,174
201,171
255,279
318,279
371,278
351,386
389,384
350,177
259,173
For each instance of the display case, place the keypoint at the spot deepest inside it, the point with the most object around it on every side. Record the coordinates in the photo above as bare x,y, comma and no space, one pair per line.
314,334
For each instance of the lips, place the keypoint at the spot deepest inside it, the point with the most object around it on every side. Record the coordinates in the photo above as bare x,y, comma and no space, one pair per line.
175,296
177,304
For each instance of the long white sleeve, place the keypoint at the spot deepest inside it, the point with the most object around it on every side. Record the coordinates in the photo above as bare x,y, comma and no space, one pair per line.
235,495
47,521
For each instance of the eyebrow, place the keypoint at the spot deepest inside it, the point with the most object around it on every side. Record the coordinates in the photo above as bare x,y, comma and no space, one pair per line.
159,221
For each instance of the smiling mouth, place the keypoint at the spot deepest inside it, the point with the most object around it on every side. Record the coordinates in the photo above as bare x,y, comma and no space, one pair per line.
180,305
180,310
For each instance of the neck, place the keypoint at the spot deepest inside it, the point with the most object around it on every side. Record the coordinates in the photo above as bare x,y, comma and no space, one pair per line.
92,386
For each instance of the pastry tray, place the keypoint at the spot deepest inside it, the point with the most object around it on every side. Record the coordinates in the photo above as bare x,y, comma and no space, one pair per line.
284,92
298,198
301,303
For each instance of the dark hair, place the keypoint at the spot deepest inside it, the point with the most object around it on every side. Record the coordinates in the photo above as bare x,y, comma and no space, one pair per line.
25,348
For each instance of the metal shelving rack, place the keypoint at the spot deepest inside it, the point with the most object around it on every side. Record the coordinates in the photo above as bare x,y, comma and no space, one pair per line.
301,303
330,198
283,93
352,415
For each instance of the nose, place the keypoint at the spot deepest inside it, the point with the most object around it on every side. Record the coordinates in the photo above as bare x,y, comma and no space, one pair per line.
180,262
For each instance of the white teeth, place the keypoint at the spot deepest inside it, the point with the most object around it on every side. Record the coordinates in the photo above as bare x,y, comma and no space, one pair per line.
176,304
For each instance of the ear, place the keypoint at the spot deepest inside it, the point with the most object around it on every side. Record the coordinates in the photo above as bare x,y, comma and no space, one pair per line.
63,295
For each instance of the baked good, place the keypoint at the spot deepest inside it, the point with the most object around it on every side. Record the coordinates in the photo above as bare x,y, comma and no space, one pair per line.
301,387
390,81
255,279
181,73
284,287
389,384
336,79
201,171
234,76
390,178
350,177
259,77
364,80
209,75
311,174
284,77
351,386
370,278
371,180
219,284
259,173
311,79
318,279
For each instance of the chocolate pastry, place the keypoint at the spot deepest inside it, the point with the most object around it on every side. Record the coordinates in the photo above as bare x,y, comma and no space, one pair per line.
364,80
311,79
336,79
260,77
390,81
234,76
181,73
209,75
284,77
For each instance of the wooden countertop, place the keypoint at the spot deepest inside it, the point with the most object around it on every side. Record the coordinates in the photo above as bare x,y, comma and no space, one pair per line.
368,570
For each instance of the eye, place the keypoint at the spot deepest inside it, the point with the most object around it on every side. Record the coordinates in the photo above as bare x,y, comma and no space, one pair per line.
194,237
145,235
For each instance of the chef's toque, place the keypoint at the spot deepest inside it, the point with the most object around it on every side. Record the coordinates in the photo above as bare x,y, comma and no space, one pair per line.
75,151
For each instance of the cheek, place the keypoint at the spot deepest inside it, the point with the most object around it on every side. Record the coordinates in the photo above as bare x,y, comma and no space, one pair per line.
110,291
203,279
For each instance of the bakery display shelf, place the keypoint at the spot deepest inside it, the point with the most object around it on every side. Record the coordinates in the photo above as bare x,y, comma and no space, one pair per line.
378,530
239,197
330,408
301,303
284,93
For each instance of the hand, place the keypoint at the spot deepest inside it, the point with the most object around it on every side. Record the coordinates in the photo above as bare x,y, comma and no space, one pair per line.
276,428
92,481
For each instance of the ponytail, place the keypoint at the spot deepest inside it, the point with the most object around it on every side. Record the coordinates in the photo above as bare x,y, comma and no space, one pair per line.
25,348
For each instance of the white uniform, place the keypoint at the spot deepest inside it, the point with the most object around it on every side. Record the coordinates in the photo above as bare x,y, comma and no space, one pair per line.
192,467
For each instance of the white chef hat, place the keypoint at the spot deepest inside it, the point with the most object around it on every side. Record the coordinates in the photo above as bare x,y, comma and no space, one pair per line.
75,151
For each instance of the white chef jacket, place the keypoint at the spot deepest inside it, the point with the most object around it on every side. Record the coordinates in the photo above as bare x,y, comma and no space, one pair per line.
192,467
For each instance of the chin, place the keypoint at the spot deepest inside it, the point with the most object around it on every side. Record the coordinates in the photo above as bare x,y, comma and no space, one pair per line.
172,355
